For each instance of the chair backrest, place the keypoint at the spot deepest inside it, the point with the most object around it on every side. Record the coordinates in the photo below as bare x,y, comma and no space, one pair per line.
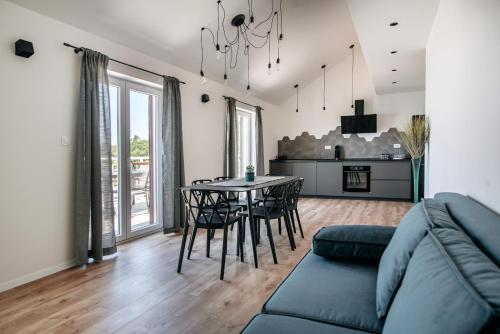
222,178
212,206
275,197
200,181
297,187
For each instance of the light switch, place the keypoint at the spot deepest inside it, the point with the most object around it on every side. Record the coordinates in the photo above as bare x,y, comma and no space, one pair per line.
64,140
328,147
397,146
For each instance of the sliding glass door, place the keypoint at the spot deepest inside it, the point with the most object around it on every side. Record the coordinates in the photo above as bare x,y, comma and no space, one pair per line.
135,151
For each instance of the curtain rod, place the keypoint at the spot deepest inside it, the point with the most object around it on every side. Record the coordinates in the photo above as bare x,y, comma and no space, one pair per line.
78,49
248,104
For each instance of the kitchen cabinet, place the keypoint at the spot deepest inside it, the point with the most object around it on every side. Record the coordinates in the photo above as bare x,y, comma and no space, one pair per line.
306,170
329,178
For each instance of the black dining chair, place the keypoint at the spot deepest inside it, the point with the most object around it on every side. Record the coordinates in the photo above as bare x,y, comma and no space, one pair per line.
273,206
210,210
292,203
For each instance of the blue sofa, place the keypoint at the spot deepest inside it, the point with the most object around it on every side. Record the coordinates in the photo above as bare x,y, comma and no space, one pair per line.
438,272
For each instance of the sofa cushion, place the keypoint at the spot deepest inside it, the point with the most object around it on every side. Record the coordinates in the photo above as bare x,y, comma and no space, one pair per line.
479,222
434,296
354,242
280,324
428,214
336,292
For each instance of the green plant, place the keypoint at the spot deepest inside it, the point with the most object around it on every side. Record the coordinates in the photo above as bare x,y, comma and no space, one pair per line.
250,169
415,135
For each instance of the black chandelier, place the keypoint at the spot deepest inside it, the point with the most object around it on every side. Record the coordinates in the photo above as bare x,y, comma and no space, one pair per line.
247,34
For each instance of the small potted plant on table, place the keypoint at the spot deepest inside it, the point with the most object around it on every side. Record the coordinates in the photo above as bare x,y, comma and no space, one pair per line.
250,174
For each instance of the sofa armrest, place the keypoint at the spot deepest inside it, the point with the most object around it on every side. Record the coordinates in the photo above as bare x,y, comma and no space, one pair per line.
352,242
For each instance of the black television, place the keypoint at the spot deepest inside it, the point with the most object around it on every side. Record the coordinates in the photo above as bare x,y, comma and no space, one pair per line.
359,124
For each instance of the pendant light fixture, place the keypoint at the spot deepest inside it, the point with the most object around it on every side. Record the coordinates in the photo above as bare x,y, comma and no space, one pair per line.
352,75
248,32
248,69
324,85
297,88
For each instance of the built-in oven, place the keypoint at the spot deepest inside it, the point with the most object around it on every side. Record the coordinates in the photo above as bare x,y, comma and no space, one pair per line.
356,179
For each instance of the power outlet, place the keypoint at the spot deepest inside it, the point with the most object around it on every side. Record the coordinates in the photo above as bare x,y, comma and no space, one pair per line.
396,145
64,140
328,147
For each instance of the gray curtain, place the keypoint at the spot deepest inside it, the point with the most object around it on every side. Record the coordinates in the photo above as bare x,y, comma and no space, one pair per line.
173,156
94,223
259,140
231,137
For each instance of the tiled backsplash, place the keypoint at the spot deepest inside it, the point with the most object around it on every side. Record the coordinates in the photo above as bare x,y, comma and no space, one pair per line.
307,146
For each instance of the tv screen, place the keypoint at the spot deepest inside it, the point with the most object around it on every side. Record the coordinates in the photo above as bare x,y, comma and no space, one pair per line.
359,124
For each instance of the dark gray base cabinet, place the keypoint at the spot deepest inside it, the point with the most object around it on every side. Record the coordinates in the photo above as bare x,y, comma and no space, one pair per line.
389,179
329,179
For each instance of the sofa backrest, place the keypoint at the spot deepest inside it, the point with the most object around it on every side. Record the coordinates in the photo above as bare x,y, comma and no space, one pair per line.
480,223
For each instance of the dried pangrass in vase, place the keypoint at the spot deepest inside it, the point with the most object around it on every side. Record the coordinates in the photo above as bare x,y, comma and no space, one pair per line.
415,135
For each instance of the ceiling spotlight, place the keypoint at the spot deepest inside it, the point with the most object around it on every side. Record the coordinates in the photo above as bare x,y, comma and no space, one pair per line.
394,70
393,52
394,82
393,24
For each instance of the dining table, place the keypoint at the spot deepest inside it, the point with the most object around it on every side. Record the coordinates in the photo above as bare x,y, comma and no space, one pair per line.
240,185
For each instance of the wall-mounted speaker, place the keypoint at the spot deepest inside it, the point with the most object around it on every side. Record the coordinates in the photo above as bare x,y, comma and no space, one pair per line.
205,98
24,48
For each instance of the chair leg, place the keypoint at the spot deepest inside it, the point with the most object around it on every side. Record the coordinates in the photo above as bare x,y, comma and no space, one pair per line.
258,231
279,226
191,242
224,251
238,238
240,233
293,222
183,245
298,222
244,224
270,236
212,234
289,231
208,242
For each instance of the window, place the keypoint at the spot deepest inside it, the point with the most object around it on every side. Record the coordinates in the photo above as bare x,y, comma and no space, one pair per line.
247,150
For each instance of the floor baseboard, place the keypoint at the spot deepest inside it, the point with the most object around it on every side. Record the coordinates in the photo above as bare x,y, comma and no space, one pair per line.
36,275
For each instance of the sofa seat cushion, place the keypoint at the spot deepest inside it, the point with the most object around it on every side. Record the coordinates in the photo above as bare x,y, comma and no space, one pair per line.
436,296
426,215
479,222
331,291
352,242
280,324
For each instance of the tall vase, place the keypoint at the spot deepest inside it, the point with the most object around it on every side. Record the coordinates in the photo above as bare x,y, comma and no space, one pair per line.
416,176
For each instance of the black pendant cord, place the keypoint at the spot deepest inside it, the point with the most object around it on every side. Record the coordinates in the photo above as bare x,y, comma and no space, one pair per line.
248,68
281,20
352,76
324,86
297,87
80,49
225,62
269,52
278,60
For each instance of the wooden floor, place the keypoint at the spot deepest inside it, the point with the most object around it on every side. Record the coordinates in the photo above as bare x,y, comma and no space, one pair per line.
139,291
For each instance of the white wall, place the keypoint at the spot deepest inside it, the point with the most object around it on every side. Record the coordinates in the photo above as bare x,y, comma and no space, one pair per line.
393,109
463,100
38,104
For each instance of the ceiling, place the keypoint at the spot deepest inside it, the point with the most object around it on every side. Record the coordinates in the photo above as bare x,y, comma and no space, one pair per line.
377,39
316,32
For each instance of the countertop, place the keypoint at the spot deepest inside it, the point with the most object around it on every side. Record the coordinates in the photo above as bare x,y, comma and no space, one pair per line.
341,160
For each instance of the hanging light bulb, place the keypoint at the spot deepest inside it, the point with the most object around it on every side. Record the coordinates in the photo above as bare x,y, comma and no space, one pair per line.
269,69
248,90
218,54
203,79
277,65
225,79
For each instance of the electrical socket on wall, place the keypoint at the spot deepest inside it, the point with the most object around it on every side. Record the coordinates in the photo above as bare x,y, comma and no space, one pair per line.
396,146
328,147
64,140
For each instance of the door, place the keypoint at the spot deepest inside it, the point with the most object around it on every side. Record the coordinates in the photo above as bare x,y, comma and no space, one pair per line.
135,136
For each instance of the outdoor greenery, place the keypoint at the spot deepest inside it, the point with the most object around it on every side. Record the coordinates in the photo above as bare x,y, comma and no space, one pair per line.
138,147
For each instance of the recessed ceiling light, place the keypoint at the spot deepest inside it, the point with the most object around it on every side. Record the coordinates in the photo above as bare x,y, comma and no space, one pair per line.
394,70
394,82
393,52
393,24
